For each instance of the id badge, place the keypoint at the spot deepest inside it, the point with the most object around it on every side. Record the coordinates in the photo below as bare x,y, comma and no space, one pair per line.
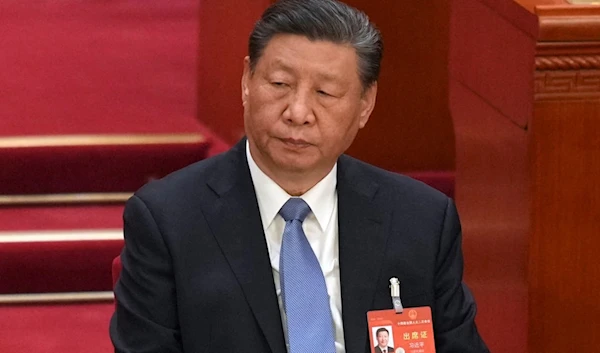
408,332
401,330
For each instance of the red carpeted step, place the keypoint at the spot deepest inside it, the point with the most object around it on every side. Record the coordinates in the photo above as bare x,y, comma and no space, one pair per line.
60,218
59,248
98,69
54,328
95,167
57,266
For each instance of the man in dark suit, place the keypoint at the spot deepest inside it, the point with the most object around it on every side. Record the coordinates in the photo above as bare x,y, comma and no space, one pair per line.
383,336
211,260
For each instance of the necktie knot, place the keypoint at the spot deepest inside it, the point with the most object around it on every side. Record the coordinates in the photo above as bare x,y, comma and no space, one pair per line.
294,209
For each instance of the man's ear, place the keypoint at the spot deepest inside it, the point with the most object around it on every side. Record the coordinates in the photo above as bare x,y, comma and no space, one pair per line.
245,80
367,104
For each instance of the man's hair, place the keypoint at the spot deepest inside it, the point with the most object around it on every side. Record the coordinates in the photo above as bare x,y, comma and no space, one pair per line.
383,329
328,20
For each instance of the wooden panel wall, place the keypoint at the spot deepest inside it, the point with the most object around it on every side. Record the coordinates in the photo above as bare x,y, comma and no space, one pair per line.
491,90
564,271
410,129
224,27
565,242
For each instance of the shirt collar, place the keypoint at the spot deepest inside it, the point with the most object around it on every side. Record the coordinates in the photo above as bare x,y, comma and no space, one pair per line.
271,197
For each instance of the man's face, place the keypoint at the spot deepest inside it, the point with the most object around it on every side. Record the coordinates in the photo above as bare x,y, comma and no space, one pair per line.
382,339
303,104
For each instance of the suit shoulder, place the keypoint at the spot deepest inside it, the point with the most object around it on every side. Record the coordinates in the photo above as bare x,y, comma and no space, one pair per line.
396,186
189,179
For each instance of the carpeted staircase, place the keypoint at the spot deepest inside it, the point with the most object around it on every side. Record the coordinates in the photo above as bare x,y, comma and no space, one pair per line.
57,240
97,98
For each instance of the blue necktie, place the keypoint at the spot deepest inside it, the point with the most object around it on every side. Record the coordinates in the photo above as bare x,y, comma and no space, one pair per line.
305,298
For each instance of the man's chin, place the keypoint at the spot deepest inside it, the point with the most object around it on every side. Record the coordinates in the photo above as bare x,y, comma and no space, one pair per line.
295,164
297,168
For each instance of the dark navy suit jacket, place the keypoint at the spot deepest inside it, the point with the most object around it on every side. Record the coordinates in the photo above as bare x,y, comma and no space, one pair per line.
197,277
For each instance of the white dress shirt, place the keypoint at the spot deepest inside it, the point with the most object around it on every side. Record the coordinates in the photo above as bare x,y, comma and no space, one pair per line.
320,227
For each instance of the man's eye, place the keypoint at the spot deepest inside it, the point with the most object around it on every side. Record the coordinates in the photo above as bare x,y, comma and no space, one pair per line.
278,84
323,93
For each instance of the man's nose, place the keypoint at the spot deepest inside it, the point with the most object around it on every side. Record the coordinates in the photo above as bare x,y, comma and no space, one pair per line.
300,109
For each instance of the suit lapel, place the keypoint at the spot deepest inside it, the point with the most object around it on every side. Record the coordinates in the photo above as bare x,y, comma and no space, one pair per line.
362,240
236,224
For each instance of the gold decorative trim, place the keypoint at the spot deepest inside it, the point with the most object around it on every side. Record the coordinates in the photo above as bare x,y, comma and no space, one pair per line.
584,2
589,62
99,140
69,297
568,23
109,197
72,235
567,84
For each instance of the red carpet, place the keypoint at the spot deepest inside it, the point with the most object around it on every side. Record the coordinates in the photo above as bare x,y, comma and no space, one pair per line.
78,67
72,328
79,169
126,67
63,266
26,218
